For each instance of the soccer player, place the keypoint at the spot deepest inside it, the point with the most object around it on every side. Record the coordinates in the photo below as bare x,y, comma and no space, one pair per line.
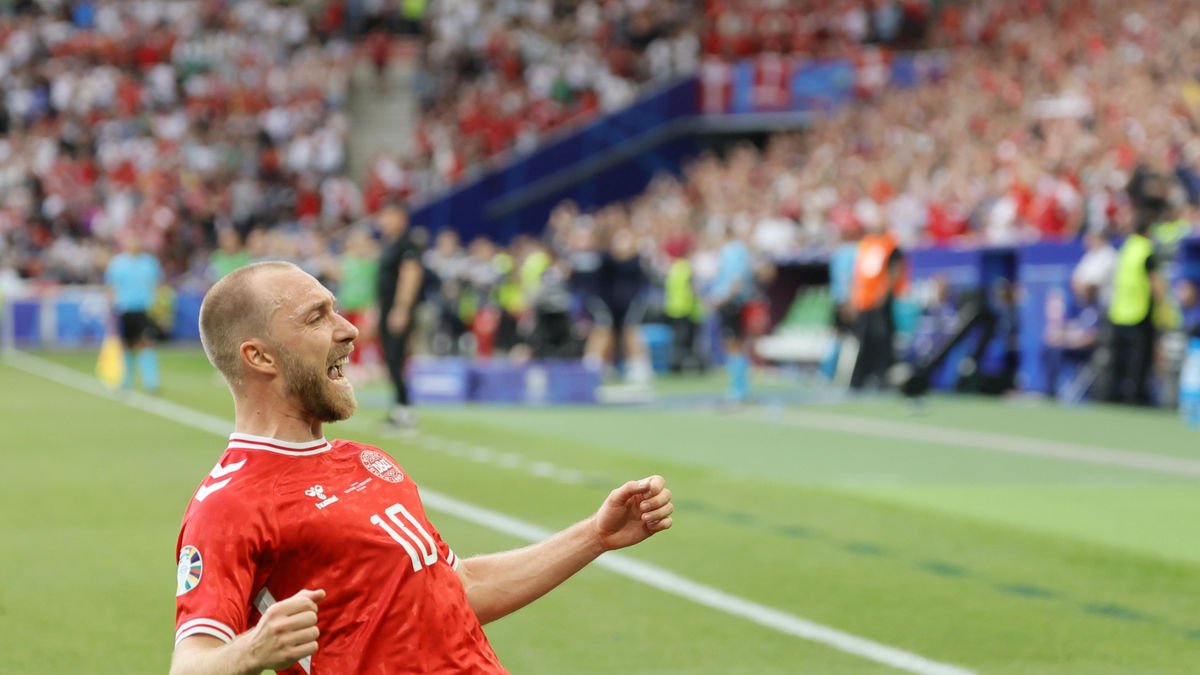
293,542
132,278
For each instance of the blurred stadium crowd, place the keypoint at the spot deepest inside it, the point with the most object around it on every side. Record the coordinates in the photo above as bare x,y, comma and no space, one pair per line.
205,126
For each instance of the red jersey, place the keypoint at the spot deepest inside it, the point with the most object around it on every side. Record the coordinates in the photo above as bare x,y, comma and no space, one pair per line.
274,517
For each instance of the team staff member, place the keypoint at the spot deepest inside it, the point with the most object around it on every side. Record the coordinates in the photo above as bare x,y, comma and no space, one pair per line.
132,278
294,543
1137,287
399,283
879,276
683,309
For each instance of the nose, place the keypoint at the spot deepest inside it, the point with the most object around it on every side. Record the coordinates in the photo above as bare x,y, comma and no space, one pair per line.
343,330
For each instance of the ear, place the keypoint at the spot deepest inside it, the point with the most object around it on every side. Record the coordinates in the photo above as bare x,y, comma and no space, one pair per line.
258,357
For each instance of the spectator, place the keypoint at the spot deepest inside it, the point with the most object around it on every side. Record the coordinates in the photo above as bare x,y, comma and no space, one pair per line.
229,254
1071,337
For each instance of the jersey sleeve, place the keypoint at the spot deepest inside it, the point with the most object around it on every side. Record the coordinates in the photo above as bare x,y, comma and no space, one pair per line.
219,553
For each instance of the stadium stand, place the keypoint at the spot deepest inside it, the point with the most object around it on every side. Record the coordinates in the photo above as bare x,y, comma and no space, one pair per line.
742,28
501,77
167,119
183,121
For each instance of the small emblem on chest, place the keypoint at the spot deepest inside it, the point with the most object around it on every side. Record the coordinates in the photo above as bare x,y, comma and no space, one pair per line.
380,465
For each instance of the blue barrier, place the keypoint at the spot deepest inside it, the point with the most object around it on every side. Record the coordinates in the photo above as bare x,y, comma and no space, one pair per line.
439,380
80,317
77,324
453,380
1042,270
187,316
610,159
962,269
27,322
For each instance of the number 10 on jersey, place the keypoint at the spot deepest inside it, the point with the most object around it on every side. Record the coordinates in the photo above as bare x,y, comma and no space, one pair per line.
408,537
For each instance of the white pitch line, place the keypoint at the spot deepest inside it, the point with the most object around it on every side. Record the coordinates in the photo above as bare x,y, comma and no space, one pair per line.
669,582
650,575
987,441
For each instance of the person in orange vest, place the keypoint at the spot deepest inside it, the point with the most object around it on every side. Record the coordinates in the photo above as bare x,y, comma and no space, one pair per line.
879,275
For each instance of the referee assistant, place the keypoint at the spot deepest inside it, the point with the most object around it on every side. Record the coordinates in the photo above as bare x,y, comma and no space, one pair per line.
132,278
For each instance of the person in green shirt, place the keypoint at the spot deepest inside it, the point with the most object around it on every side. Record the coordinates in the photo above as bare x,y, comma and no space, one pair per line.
356,294
229,255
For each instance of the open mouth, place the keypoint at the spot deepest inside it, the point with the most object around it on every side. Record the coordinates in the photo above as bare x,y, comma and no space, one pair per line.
337,371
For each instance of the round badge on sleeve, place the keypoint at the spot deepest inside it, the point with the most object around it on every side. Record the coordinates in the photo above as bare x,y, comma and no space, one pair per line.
379,464
191,568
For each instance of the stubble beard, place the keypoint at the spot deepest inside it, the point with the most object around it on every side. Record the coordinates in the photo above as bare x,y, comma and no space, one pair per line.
314,391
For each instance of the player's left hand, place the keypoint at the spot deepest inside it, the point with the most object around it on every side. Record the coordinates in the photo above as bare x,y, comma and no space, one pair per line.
634,512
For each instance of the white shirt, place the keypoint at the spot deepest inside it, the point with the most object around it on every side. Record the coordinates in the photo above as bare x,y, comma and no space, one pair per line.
1095,268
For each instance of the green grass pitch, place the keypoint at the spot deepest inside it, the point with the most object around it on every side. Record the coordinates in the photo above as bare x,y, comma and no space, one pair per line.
998,562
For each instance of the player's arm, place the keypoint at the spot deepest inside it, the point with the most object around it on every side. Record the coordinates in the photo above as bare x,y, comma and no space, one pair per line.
501,583
286,633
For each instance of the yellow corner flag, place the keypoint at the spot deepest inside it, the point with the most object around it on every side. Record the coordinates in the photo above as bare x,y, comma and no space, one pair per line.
110,366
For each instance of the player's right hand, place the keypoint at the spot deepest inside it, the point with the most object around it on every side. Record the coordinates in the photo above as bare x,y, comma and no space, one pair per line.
287,631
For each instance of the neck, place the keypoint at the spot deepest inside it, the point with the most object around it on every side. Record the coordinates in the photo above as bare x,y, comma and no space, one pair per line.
275,417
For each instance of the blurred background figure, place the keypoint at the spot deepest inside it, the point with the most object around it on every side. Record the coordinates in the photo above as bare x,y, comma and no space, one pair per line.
133,277
1073,331
228,256
879,276
732,288
358,275
841,283
1189,379
1095,269
552,336
1138,286
586,263
447,293
623,284
683,308
398,286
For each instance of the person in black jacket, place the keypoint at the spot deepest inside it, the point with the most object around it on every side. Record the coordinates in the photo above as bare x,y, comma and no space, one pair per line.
399,283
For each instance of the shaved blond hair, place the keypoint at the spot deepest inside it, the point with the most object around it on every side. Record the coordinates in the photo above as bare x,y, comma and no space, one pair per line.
234,310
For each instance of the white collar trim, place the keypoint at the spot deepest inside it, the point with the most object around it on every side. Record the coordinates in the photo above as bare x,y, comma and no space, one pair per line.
252,442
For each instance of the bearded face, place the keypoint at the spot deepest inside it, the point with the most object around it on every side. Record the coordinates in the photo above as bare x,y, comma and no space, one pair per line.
322,391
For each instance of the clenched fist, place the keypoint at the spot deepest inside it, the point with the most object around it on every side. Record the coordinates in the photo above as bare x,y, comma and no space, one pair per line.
287,631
